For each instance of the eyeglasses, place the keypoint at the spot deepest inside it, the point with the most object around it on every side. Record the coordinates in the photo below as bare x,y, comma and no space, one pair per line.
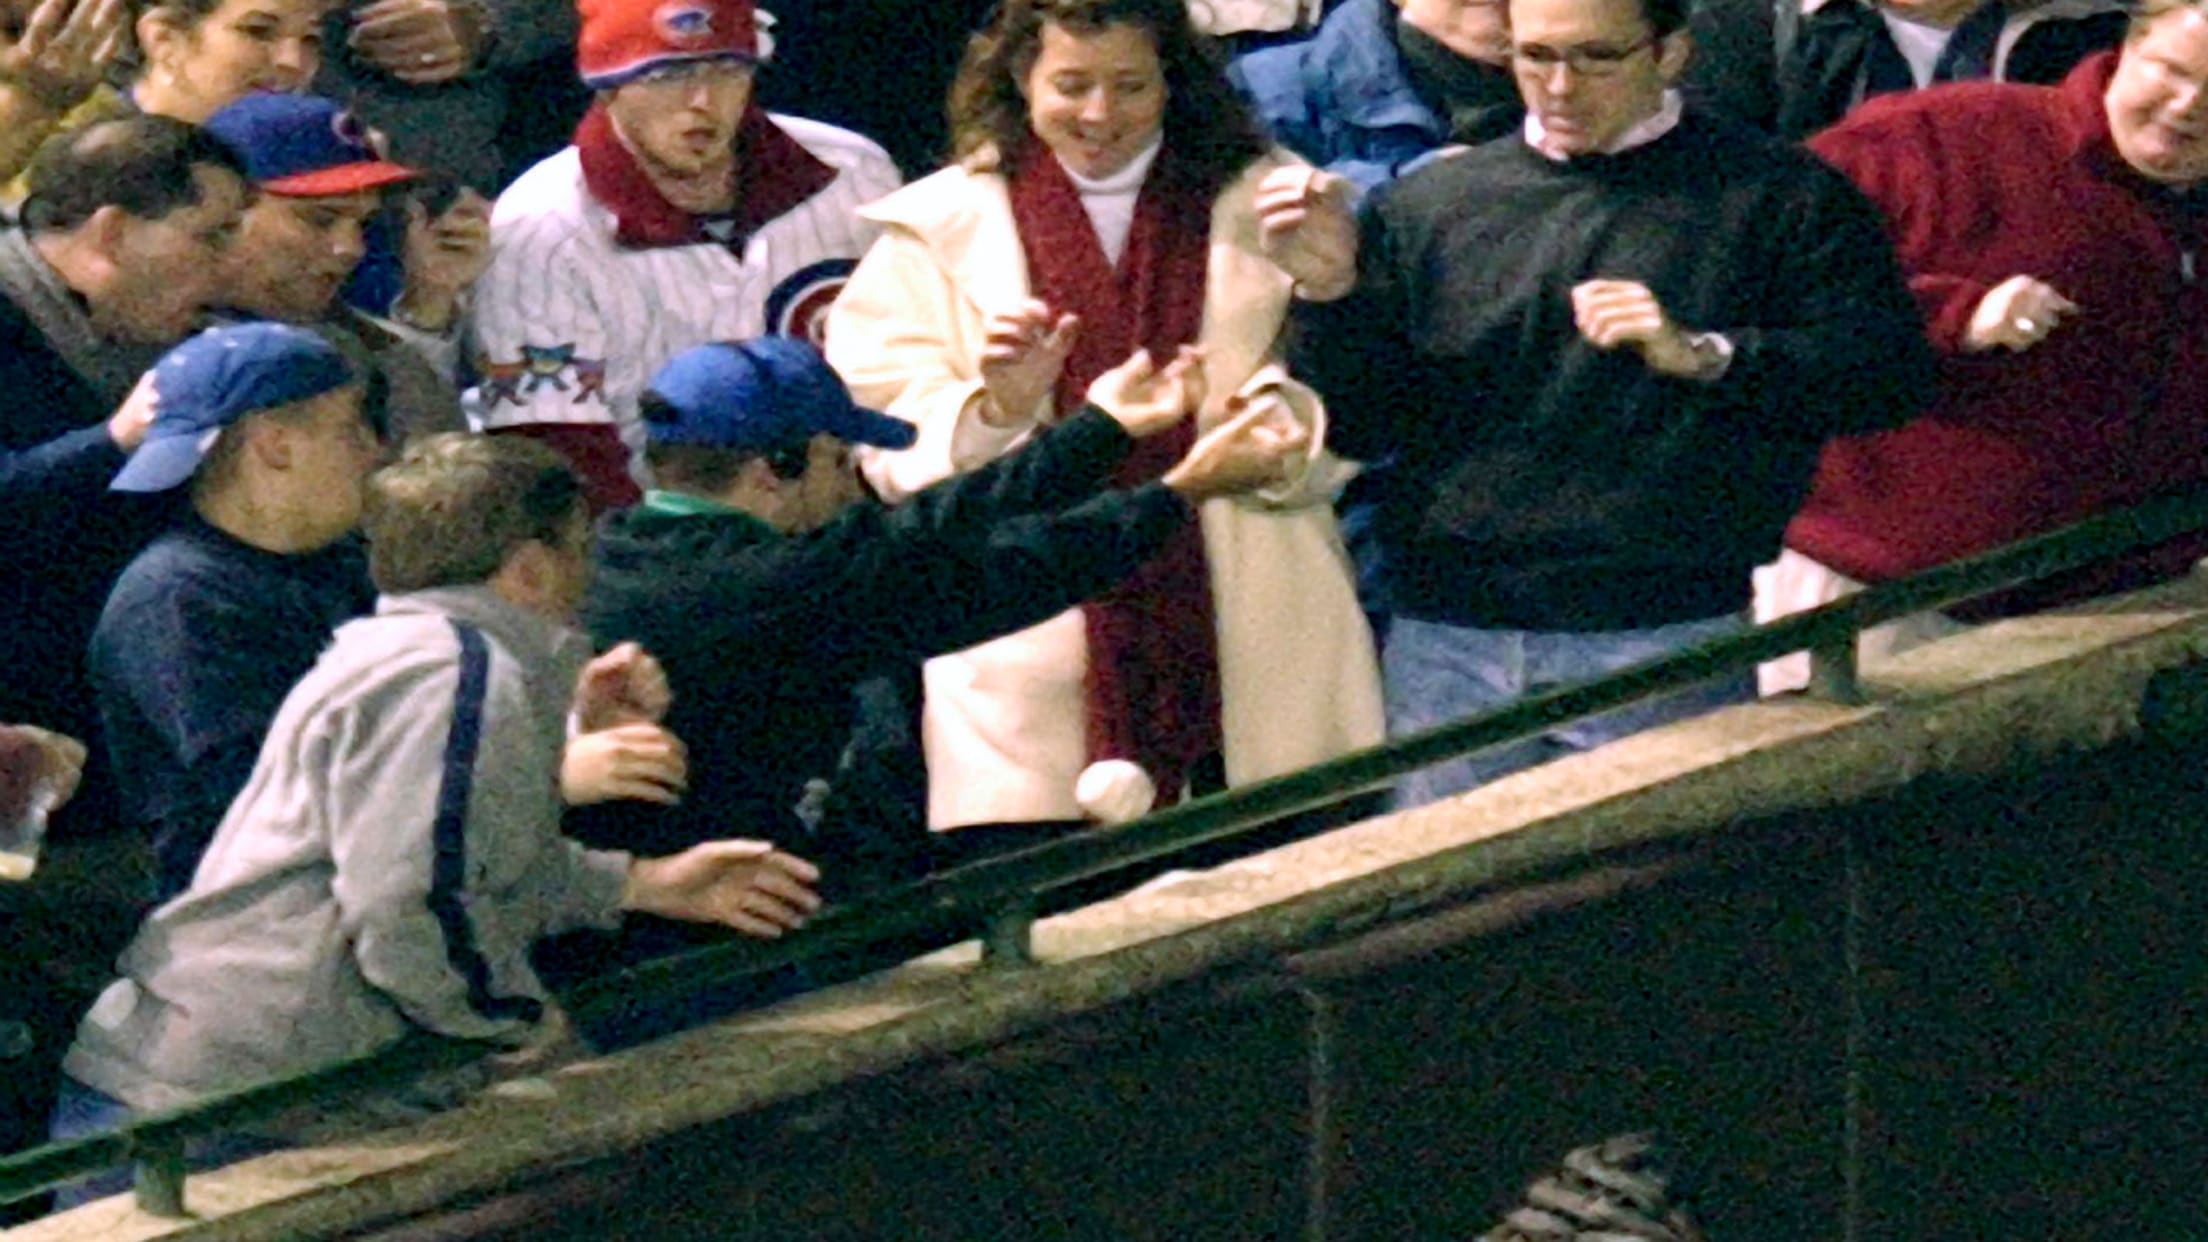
1591,60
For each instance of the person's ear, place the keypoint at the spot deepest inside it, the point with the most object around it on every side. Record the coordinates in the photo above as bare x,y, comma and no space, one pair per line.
1673,51
107,231
266,440
161,31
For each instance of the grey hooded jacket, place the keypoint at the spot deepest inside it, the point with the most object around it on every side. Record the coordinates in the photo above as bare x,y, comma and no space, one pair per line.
386,869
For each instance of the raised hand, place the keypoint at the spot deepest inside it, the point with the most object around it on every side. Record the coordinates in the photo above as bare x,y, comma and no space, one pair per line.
1022,354
443,256
1146,400
2016,314
420,42
127,426
65,47
1305,225
748,885
624,686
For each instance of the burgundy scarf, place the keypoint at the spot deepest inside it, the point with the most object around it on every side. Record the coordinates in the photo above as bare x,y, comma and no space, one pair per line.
1153,679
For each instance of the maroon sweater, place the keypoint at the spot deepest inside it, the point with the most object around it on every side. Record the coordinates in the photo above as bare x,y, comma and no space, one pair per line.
1980,182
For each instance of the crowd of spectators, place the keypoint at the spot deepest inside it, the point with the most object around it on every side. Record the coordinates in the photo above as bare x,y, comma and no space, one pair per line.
439,540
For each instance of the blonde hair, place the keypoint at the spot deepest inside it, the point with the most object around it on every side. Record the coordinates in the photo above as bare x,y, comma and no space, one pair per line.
451,509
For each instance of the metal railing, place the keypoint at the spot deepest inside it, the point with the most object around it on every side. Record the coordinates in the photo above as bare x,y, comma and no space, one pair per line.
1003,893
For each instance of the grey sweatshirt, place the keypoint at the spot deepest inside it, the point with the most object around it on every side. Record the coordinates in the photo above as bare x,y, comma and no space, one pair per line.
387,867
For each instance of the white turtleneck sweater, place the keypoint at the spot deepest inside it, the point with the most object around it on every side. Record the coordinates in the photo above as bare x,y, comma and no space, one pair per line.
1110,200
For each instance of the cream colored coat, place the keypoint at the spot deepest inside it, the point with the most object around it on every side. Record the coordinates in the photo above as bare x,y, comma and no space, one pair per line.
1004,725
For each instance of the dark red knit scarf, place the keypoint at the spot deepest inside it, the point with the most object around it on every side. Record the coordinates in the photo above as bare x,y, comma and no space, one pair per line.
1153,679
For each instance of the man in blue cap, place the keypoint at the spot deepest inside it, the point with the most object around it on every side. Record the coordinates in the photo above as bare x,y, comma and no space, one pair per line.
272,431
322,182
770,586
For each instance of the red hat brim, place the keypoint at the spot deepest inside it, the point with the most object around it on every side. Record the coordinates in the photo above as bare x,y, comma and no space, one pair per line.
343,179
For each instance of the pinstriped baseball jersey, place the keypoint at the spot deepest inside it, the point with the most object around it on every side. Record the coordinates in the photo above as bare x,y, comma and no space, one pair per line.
571,323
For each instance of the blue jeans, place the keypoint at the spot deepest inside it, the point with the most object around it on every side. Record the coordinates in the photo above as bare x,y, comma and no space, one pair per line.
80,1111
1434,674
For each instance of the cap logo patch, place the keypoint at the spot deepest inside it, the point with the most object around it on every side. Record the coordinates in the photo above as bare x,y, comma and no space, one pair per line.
684,26
350,130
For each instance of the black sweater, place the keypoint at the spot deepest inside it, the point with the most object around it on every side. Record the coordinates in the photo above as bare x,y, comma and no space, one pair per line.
764,636
1546,484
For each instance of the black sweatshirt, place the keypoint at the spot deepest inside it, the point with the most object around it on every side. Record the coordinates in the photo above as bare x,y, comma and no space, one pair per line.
1546,484
764,636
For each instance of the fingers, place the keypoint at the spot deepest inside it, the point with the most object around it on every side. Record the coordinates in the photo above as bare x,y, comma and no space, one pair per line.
1296,192
1186,372
45,22
763,891
91,23
2017,314
1609,313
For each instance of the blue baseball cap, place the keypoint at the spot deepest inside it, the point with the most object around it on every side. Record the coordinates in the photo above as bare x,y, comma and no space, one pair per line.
763,393
302,146
217,378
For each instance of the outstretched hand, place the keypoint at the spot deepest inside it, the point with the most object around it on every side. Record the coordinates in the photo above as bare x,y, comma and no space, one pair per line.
1258,446
747,885
1145,400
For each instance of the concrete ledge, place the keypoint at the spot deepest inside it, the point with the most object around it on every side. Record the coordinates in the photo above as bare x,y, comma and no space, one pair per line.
1972,704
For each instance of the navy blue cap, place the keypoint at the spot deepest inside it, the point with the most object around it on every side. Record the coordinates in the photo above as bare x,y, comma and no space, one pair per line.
763,393
217,378
302,146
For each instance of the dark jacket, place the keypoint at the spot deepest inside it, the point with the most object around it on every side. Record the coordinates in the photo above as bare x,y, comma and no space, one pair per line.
1837,53
764,636
1545,484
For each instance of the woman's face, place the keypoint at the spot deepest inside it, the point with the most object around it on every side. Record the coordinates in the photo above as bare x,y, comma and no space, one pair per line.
1096,98
241,47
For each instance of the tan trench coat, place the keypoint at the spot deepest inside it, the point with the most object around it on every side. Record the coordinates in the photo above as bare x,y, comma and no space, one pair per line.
1004,723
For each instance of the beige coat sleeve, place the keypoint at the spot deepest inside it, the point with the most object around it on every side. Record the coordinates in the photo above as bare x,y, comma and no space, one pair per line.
908,343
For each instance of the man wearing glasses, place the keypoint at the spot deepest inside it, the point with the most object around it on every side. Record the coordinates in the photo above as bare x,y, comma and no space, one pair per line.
1603,351
682,214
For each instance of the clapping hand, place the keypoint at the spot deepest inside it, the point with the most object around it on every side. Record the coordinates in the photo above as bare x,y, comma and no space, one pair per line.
624,686
1022,354
1306,227
1146,400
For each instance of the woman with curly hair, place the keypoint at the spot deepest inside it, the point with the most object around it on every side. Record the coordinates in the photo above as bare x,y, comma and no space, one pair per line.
1109,192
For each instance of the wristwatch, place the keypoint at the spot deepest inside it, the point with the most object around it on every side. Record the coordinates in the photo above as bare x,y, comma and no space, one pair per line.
1713,355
